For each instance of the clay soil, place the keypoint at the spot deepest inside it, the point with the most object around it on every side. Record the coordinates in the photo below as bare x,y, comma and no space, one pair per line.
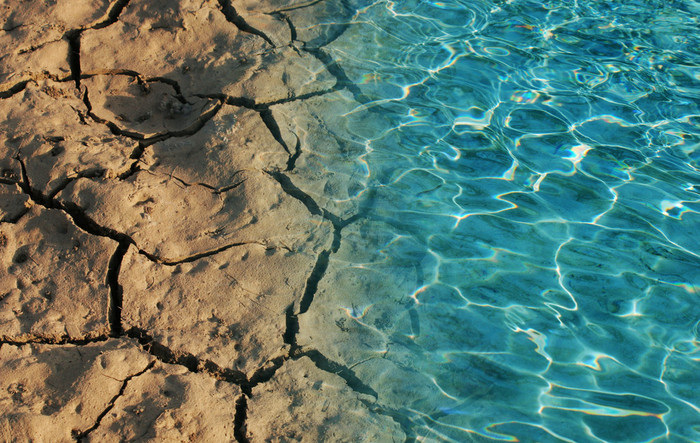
163,224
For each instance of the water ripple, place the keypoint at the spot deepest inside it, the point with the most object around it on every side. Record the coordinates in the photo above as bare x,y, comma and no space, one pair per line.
529,267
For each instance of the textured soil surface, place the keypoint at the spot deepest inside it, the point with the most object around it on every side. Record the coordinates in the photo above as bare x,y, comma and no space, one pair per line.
165,224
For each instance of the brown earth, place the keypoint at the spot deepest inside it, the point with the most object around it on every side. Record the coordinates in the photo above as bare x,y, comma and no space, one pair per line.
165,221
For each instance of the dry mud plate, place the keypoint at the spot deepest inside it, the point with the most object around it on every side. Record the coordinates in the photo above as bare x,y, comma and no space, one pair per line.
163,226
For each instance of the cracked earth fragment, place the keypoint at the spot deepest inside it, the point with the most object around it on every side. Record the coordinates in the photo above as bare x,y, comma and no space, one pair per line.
330,169
47,391
33,36
54,281
190,42
43,127
165,404
284,73
232,143
146,205
343,308
13,204
234,302
144,108
173,193
331,411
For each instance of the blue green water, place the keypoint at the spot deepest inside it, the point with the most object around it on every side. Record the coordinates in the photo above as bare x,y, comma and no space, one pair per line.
530,171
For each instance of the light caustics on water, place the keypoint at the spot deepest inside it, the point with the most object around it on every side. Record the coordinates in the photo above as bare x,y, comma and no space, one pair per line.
531,177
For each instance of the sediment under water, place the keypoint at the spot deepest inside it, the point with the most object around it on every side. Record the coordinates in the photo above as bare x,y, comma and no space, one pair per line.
527,268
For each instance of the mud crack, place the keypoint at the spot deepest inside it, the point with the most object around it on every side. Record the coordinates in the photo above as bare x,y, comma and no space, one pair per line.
87,224
263,109
145,141
74,35
323,259
347,374
112,14
52,340
14,89
337,71
174,262
80,436
240,430
189,361
233,17
114,313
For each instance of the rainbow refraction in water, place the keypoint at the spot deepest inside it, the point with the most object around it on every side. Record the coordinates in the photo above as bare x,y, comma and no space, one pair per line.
529,266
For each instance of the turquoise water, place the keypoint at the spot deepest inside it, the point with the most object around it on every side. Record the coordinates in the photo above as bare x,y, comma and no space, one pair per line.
530,263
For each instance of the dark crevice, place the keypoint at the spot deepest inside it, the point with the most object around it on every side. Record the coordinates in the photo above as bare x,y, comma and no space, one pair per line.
170,82
73,38
144,141
291,327
273,127
116,130
240,429
293,191
305,5
61,340
347,374
265,373
350,220
25,184
337,237
232,16
189,361
136,154
14,89
80,436
343,81
294,98
191,130
89,173
140,79
189,259
133,169
115,290
76,213
315,277
242,102
11,27
245,102
230,187
292,162
284,17
112,14
213,189
8,181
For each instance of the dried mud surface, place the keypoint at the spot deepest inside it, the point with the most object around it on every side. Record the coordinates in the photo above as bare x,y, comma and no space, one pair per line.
164,224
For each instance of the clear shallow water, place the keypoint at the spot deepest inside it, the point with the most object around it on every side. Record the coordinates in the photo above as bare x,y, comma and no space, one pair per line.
533,169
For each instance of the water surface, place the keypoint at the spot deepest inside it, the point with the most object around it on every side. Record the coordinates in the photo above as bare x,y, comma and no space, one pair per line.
529,267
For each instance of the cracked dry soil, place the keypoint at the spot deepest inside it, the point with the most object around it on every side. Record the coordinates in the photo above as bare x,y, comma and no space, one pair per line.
162,225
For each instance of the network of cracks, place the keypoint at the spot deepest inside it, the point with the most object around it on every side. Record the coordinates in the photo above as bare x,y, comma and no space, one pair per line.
101,147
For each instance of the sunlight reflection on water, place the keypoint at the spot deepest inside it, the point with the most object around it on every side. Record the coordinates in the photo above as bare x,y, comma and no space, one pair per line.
533,176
